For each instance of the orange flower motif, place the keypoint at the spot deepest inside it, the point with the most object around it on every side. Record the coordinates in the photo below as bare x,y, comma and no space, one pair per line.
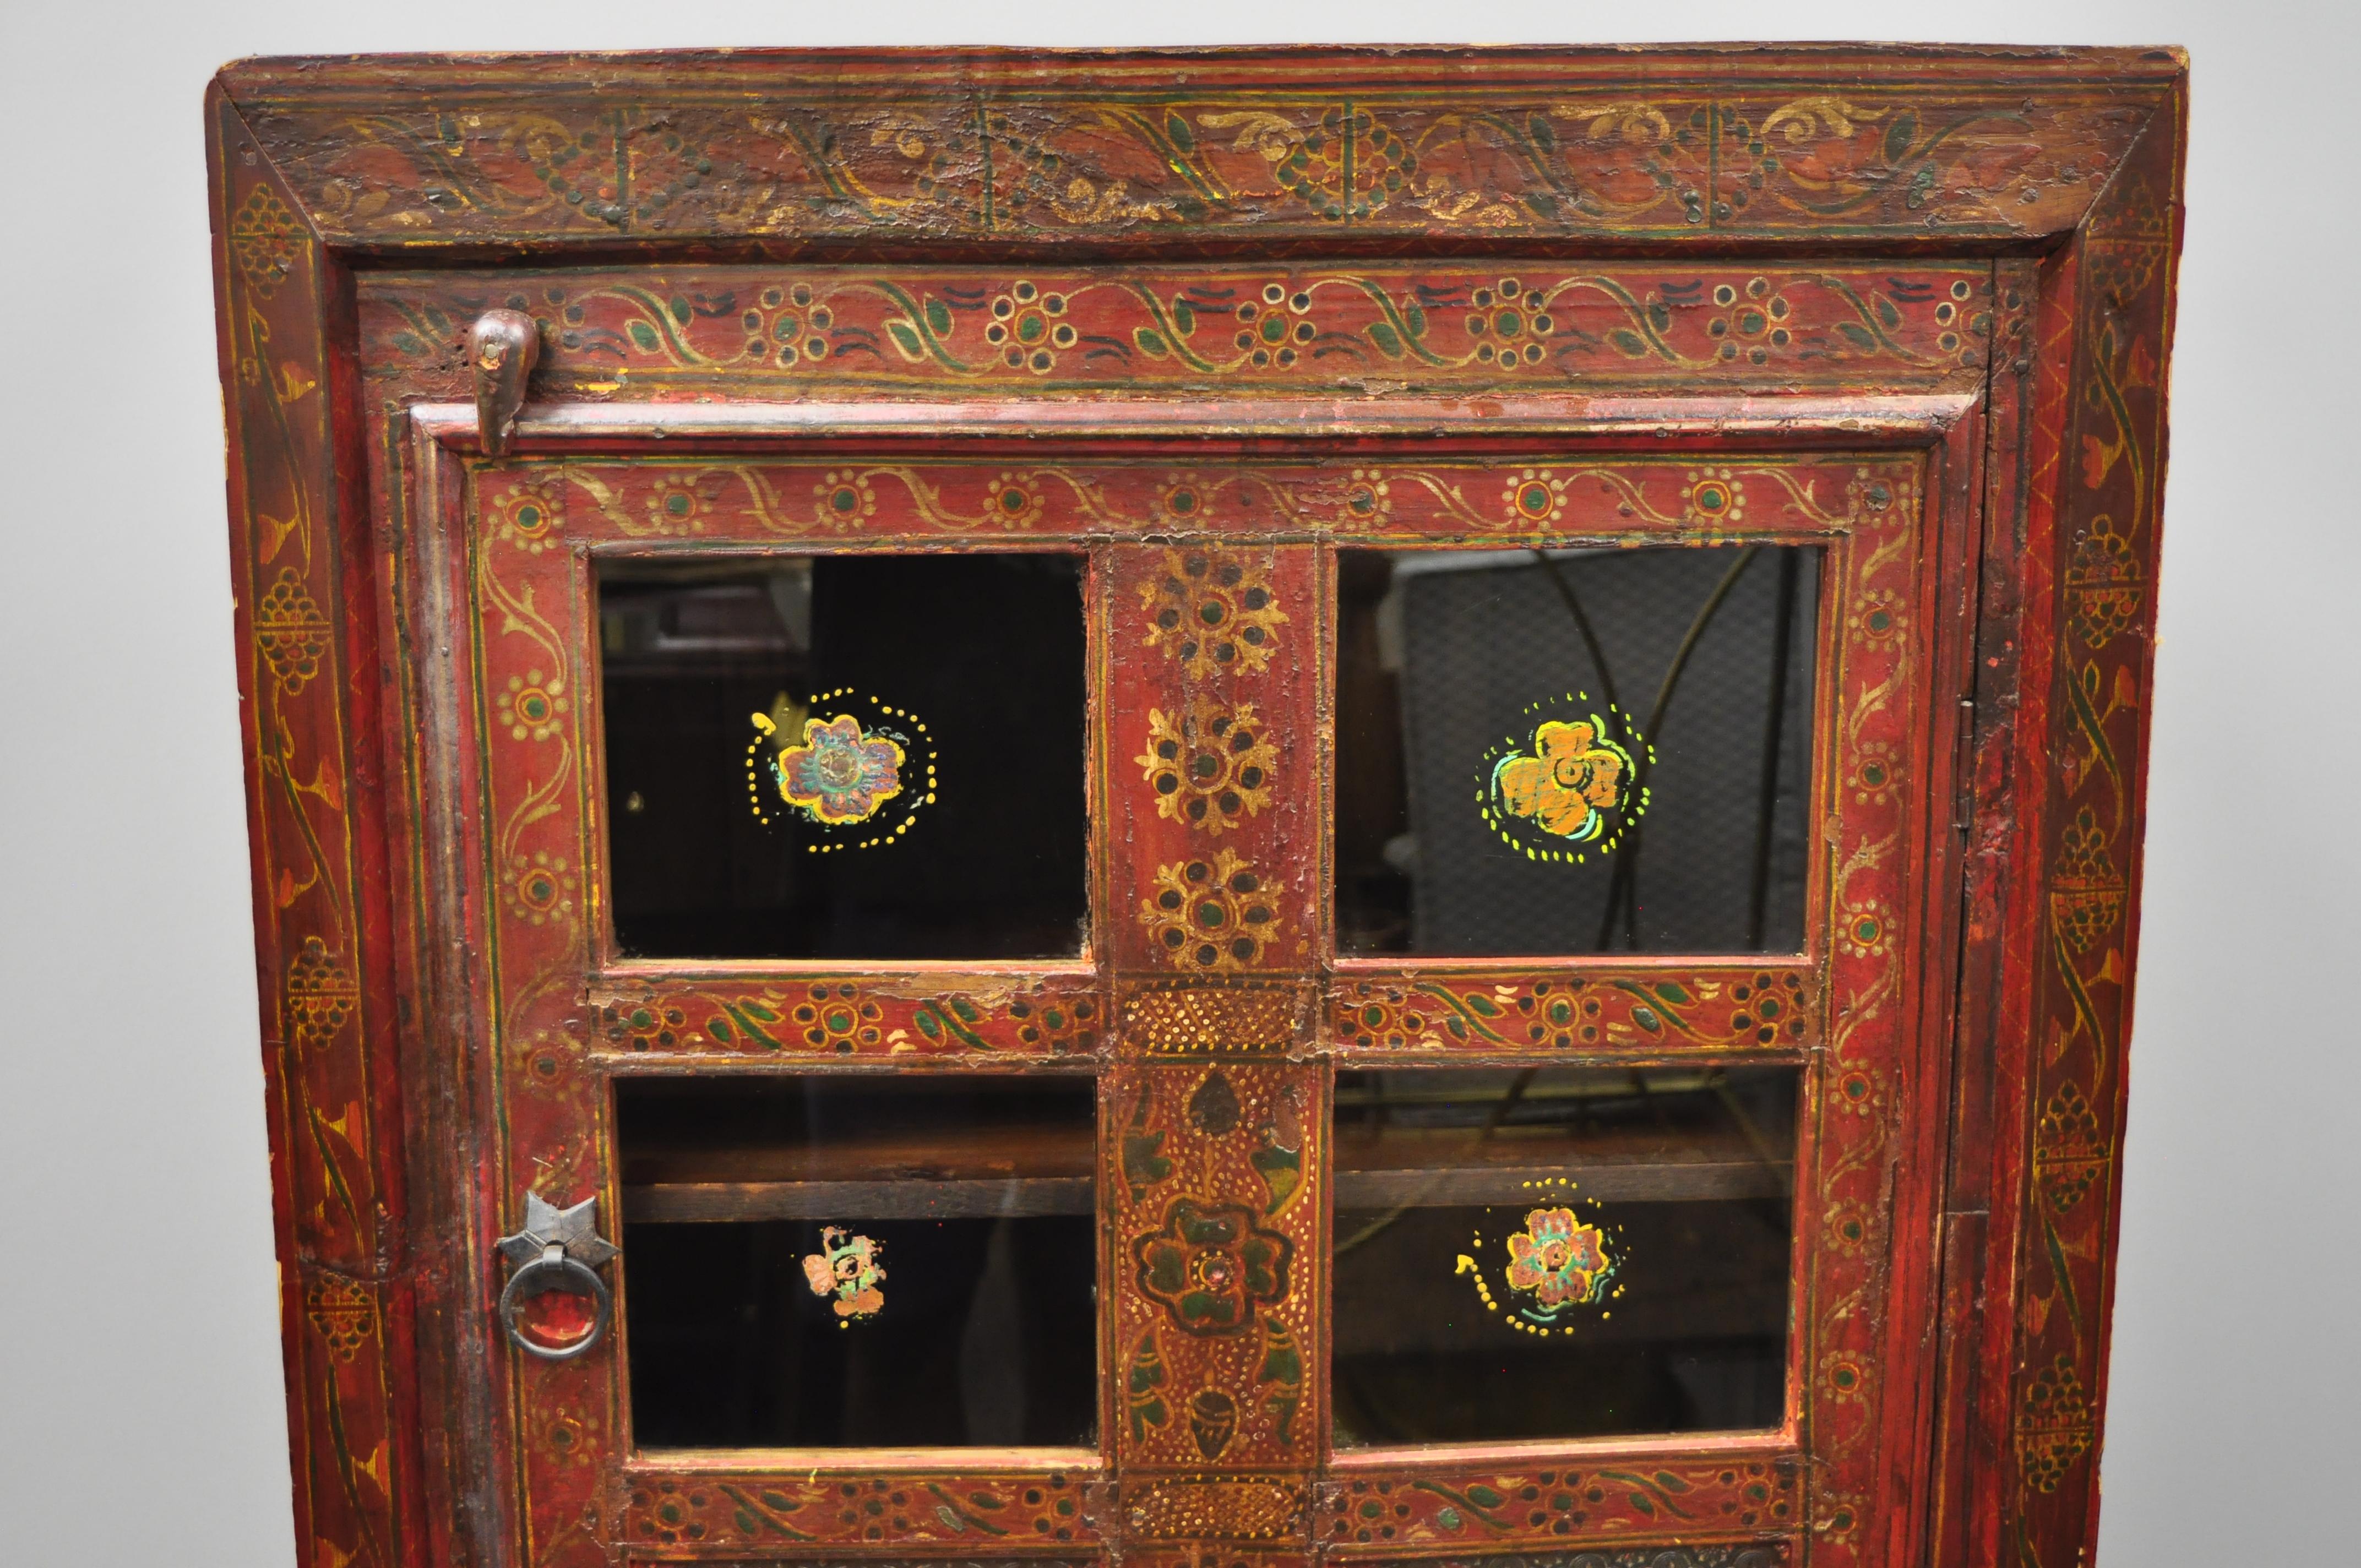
846,1267
840,774
1561,1260
1575,774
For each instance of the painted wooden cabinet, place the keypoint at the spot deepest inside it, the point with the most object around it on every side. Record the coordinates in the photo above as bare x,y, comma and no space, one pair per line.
1197,808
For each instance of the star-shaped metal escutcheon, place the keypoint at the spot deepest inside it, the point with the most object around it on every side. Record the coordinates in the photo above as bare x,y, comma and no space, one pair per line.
573,1230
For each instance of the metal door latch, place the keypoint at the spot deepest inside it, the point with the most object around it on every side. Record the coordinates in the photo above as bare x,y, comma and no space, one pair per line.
558,1250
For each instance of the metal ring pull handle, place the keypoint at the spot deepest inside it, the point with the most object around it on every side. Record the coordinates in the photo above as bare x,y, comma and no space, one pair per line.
559,1250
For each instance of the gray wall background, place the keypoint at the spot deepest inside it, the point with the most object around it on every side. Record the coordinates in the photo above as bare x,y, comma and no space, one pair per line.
140,1403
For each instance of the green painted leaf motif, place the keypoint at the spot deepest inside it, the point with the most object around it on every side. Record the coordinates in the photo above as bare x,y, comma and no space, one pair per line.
1921,183
1640,1501
1544,139
1660,316
779,1502
1899,136
1542,204
1669,1481
1887,313
1448,1518
1184,318
1457,1026
1630,342
1388,341
679,308
719,1028
1414,318
410,345
1151,343
1281,1171
986,1501
1858,336
1485,1498
965,1010
1142,1166
1479,1003
644,335
1176,129
759,1010
1674,992
951,1522
927,1024
746,1522
906,338
938,316
1646,1018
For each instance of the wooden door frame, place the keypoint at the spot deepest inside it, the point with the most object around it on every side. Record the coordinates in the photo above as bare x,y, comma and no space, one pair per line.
2061,170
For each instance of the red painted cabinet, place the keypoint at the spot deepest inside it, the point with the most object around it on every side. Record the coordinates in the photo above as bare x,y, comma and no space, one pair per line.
1197,808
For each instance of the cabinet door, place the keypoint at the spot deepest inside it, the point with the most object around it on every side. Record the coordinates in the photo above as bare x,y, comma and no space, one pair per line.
1055,898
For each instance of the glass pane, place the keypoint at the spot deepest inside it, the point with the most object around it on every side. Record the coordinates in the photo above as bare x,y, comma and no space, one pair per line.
1561,1252
847,756
1504,788
859,1262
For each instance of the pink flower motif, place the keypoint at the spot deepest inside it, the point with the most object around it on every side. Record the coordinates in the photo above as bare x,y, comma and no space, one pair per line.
1558,1258
837,774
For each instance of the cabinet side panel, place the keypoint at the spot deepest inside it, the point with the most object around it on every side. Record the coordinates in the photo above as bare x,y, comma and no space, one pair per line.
2104,485
307,664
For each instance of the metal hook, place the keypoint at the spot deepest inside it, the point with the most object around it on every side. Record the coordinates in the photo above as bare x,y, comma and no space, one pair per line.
502,346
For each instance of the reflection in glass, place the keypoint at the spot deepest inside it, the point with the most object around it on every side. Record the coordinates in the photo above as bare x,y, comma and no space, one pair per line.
1574,752
859,1261
846,756
1561,1252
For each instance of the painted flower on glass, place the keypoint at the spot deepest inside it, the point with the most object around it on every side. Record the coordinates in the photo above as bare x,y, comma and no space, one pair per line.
846,1267
1573,775
1557,1257
1211,1265
839,774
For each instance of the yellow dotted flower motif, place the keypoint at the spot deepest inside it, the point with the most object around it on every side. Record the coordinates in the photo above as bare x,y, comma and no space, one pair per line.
1846,1227
788,327
529,517
1212,611
1270,332
1367,498
1210,768
1713,499
1534,497
676,507
1182,501
1751,322
842,499
1845,1375
1028,327
1508,324
540,887
1016,501
1866,929
1876,618
838,1018
1874,769
533,706
1209,913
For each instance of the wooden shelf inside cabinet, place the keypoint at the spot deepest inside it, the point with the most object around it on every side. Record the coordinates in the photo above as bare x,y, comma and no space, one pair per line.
1422,1167
1019,1172
1012,1171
